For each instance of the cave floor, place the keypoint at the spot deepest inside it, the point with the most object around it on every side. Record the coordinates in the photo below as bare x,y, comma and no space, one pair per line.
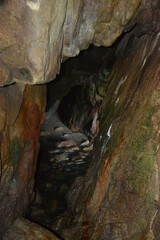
64,156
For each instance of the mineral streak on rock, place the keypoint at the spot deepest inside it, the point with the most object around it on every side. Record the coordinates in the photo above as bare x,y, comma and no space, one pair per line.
121,190
22,111
119,199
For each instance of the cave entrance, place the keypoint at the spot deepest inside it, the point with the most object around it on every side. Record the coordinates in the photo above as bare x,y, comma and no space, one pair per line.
71,125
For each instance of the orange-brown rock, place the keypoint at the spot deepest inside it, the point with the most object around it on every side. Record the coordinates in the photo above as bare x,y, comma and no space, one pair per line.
121,190
22,111
120,198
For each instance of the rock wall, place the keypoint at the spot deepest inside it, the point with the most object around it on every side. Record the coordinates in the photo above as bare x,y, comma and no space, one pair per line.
22,111
35,35
119,198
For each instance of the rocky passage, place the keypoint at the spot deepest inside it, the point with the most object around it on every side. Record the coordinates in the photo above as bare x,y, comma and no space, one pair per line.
118,197
63,158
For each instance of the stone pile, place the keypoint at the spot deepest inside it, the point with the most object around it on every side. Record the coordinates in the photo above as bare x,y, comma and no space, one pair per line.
64,156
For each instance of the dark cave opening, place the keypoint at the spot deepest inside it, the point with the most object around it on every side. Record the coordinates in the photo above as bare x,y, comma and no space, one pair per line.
2,2
74,101
77,112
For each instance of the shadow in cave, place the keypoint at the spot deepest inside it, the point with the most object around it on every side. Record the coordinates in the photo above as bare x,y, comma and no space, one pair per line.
2,2
71,125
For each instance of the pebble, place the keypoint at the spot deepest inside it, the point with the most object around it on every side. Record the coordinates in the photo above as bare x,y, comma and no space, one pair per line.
66,135
90,148
61,157
52,160
59,129
75,148
79,160
70,150
75,158
83,154
79,138
55,151
66,144
84,144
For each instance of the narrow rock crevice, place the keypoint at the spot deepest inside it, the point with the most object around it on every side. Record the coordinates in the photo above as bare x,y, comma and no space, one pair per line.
95,126
68,133
2,2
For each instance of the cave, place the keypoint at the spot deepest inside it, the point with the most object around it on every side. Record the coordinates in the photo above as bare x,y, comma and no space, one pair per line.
67,135
80,120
